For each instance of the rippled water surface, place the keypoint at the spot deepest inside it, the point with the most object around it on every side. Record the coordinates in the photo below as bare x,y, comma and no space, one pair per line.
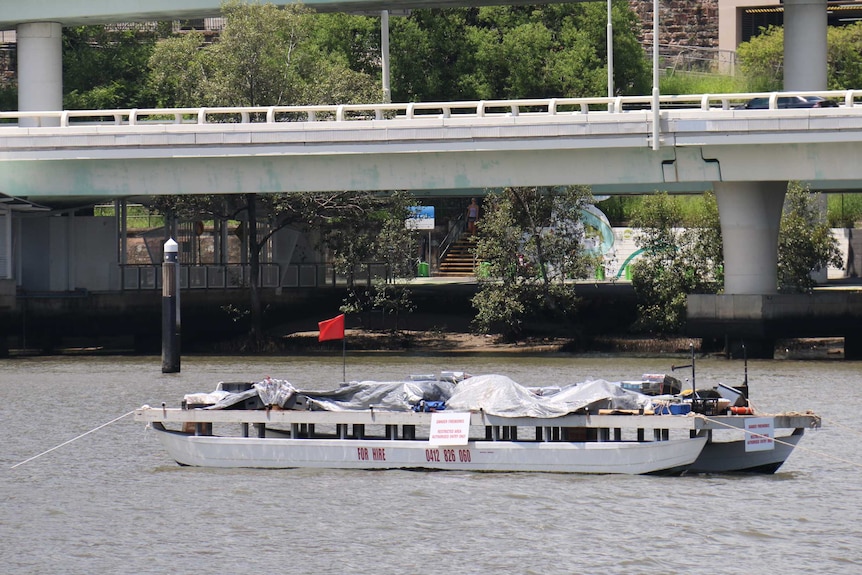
112,501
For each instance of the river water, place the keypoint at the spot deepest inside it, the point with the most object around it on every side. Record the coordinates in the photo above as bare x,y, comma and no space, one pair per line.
113,502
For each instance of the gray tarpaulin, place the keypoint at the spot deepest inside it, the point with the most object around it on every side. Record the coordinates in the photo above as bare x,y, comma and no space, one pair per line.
499,395
386,396
493,394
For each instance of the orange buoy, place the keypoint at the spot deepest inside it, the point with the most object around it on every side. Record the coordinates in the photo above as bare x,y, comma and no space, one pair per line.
742,410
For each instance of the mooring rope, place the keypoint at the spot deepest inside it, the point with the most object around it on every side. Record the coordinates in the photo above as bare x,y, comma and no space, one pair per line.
813,451
845,428
116,419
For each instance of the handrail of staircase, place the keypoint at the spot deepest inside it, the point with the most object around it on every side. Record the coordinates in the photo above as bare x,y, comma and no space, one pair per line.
456,228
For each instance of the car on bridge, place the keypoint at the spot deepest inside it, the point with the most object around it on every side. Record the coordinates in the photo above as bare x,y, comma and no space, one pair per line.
791,102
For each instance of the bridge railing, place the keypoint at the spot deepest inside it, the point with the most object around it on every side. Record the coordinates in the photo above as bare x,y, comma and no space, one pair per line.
402,111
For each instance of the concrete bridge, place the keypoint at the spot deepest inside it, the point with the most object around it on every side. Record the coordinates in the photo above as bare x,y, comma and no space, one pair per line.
745,156
704,142
691,143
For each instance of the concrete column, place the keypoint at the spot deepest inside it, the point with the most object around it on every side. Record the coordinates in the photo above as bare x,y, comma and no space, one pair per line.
40,68
805,27
750,215
805,55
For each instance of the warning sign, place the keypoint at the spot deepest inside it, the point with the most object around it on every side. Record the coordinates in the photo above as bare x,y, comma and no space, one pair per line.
759,434
449,428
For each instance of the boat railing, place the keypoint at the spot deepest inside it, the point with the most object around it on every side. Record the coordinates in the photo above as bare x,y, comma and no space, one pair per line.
375,424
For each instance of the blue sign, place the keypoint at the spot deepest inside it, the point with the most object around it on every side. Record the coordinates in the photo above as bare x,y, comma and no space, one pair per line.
422,218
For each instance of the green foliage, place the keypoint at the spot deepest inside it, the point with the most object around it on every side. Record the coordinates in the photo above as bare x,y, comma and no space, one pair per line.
103,67
761,59
685,83
805,242
265,56
355,228
498,52
622,210
530,247
676,261
844,57
178,71
389,299
353,40
256,59
844,210
8,97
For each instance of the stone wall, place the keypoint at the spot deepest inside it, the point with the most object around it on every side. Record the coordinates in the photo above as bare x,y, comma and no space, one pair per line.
690,23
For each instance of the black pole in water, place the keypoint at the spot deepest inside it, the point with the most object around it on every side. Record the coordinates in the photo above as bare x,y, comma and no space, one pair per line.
171,309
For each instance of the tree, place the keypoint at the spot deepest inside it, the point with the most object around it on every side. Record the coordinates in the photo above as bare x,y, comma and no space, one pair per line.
263,58
357,228
676,261
761,59
178,71
530,247
805,242
103,66
258,57
501,52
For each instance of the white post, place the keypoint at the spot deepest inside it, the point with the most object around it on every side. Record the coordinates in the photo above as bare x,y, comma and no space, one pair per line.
384,54
610,54
656,112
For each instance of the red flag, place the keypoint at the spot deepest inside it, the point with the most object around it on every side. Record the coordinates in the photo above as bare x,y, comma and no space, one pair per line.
331,328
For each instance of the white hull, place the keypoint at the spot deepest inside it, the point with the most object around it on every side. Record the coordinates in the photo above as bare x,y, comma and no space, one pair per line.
624,457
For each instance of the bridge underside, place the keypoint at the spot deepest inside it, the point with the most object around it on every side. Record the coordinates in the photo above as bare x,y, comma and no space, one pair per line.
111,11
50,180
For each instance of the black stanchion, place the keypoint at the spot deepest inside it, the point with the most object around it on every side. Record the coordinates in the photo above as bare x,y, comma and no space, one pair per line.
171,309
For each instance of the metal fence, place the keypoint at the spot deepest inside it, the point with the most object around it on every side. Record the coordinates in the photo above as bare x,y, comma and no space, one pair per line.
693,59
136,277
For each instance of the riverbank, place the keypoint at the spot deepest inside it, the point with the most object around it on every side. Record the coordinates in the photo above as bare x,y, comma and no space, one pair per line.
437,342
441,342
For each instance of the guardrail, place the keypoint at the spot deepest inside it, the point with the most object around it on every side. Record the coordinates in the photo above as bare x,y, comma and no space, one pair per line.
400,111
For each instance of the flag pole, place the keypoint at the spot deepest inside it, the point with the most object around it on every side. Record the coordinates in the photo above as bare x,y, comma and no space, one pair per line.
344,359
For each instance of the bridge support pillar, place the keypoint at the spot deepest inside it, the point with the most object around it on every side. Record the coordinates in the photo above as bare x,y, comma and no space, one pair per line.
40,69
750,215
805,25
